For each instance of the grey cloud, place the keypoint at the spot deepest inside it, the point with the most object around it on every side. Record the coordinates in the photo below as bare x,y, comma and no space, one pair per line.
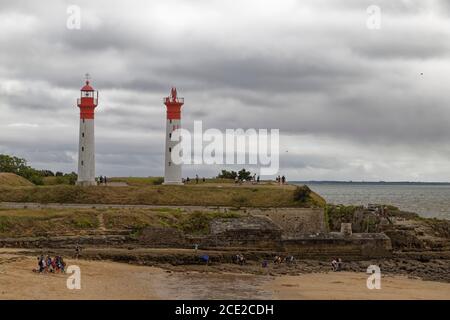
329,77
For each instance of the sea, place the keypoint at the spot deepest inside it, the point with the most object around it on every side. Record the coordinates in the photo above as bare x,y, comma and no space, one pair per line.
427,199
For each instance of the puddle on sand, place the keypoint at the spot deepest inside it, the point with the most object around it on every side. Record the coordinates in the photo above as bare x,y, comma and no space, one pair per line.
214,286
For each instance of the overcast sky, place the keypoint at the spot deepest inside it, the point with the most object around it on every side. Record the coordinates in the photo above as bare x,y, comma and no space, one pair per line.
351,103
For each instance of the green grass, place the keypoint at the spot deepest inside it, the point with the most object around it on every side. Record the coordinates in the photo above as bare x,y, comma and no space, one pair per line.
196,195
52,222
138,181
32,223
196,222
13,180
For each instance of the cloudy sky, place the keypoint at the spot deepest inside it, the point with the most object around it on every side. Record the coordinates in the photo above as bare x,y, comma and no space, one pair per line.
351,103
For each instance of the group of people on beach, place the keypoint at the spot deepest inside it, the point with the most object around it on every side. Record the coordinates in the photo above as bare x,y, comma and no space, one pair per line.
239,259
288,259
49,265
336,264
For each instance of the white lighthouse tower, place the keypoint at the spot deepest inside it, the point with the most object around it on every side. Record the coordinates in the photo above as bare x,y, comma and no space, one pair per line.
172,172
86,150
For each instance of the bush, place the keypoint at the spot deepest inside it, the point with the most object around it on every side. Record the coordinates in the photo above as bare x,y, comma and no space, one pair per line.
302,193
240,201
158,181
227,175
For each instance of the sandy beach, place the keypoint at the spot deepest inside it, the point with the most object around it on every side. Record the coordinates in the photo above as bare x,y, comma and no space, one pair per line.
112,280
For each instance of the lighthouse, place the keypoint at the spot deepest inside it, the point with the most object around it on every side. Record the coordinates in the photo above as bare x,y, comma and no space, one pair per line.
86,151
172,171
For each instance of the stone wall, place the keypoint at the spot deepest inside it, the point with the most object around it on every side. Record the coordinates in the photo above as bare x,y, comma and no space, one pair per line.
338,245
162,237
300,232
252,231
295,221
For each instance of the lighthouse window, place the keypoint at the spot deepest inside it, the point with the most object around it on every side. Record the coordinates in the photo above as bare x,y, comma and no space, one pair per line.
170,121
83,120
170,135
82,134
82,148
170,149
170,163
82,162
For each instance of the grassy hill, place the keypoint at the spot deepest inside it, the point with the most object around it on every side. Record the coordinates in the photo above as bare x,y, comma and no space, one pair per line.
13,180
195,195
54,222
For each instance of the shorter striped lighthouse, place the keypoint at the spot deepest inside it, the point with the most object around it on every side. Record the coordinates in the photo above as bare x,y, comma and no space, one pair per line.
86,150
172,171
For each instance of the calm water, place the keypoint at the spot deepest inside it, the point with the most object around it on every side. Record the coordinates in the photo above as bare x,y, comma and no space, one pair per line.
428,200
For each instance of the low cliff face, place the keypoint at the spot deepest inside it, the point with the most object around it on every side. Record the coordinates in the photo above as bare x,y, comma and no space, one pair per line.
407,231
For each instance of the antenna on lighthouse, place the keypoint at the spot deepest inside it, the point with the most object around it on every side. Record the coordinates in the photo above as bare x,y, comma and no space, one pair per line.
87,76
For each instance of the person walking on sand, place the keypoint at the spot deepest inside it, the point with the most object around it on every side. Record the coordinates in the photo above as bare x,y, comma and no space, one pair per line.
77,251
334,265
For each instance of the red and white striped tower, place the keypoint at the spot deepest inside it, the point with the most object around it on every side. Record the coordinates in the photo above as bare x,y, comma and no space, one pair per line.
172,172
86,150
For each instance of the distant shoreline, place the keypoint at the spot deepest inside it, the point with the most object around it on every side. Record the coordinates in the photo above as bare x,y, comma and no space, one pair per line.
405,183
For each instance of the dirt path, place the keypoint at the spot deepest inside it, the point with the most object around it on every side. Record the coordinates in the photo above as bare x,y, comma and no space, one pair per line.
101,222
35,205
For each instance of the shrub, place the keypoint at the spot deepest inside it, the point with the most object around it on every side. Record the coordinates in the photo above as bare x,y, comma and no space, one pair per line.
158,181
302,193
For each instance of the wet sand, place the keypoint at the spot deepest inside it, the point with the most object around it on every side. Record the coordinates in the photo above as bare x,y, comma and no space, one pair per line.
112,280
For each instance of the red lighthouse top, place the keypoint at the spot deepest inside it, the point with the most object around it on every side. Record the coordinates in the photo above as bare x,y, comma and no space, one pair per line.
88,101
173,104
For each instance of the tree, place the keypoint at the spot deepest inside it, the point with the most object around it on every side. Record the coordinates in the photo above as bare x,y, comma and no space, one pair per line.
12,164
227,174
46,173
302,193
19,166
244,174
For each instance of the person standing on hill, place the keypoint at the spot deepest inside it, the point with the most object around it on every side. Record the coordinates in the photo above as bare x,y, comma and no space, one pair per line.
104,180
283,180
196,178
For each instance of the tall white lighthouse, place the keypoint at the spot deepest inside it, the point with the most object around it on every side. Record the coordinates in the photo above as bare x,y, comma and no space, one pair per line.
172,172
86,150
